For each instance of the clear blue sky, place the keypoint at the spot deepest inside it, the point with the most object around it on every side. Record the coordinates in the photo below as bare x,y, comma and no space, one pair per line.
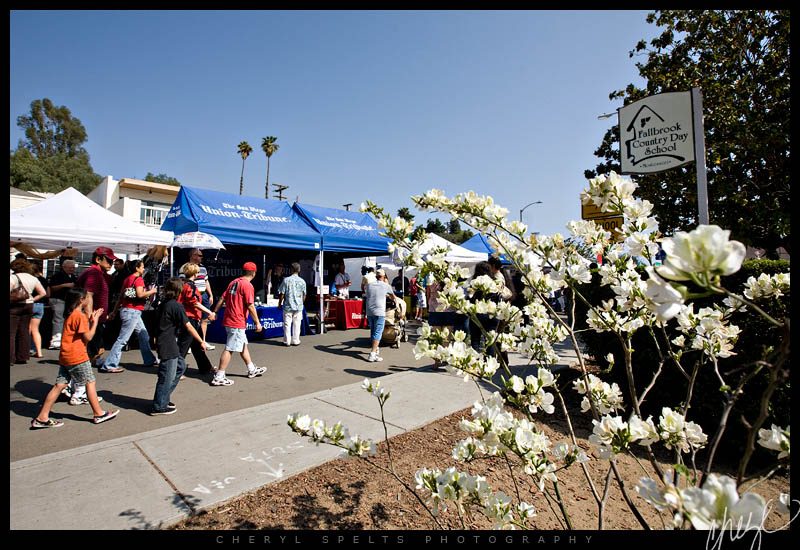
365,105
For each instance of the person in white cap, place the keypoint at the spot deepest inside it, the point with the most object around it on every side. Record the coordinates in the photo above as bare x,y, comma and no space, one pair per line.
377,293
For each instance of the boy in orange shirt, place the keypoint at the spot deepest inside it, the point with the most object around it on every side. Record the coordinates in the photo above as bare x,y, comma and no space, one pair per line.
74,362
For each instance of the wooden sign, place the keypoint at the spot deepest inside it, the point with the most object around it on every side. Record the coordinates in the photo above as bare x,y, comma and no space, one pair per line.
592,212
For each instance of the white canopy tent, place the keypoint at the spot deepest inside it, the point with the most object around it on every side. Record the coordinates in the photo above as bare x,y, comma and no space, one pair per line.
455,253
70,219
394,264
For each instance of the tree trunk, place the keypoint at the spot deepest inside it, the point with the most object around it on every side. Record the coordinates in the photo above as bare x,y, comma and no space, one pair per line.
266,189
241,180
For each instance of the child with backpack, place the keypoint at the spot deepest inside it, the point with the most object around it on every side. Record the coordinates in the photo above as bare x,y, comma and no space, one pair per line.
79,329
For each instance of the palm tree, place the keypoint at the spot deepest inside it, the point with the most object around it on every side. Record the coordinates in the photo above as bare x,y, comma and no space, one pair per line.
269,146
244,150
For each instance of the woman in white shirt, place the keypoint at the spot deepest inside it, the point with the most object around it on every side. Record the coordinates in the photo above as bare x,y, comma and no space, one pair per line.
22,311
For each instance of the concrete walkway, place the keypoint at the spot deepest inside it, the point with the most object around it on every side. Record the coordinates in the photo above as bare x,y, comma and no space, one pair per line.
153,479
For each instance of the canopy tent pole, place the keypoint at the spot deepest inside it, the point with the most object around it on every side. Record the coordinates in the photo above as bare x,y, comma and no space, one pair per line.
321,296
171,264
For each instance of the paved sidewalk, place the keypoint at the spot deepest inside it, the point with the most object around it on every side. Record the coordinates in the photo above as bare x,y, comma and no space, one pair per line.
156,478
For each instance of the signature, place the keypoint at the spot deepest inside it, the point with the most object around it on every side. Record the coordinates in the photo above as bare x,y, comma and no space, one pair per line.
740,528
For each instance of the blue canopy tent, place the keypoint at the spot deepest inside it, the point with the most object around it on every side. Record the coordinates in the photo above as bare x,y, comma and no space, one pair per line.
479,243
236,219
240,220
343,231
348,233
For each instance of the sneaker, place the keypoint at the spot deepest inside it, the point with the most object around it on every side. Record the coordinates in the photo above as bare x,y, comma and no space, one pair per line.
374,358
159,413
49,423
171,405
257,371
113,370
82,400
55,342
108,415
155,363
67,392
210,347
221,382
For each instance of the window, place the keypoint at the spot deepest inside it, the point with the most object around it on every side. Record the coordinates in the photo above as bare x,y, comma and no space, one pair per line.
152,214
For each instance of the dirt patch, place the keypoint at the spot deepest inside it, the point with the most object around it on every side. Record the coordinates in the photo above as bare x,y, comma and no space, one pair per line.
351,494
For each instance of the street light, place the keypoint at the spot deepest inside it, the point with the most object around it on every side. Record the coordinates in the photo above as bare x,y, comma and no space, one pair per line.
526,206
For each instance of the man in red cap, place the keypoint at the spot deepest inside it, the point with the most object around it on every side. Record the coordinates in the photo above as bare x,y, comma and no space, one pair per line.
95,280
239,300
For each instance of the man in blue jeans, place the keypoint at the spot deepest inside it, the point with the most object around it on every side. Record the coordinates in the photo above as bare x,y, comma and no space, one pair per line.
377,293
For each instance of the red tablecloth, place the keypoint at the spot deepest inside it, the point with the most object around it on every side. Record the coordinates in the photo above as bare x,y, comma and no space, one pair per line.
349,313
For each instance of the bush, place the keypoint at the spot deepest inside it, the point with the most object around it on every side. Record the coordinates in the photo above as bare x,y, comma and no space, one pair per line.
757,339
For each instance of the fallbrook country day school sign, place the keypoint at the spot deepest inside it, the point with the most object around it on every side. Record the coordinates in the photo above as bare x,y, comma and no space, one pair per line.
656,133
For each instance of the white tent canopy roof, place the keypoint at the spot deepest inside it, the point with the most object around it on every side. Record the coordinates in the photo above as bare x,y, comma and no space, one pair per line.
393,264
455,253
69,218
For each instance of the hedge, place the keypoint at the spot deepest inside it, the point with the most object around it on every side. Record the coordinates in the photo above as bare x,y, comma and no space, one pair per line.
756,340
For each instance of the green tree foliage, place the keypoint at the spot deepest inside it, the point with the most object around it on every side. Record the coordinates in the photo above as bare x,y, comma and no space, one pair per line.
51,157
458,238
406,214
454,227
51,174
435,225
162,178
51,130
740,60
451,232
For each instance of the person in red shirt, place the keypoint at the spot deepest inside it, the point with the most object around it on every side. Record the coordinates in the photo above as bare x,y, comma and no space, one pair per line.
239,299
130,306
95,281
192,301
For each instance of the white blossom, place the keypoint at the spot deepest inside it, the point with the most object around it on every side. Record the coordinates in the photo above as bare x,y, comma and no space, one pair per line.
705,251
766,286
775,439
663,299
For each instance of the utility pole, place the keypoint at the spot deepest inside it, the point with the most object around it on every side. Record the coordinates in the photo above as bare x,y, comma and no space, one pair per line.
347,206
279,189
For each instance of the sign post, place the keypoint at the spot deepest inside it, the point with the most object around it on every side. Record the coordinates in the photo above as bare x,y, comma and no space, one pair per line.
700,155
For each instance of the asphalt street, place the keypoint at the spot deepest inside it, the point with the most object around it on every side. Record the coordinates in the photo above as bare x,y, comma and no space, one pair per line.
321,362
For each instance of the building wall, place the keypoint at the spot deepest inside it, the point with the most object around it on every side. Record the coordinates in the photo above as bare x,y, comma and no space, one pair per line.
106,193
129,202
21,202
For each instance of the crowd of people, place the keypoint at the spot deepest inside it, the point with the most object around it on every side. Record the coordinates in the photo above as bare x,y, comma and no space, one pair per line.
85,307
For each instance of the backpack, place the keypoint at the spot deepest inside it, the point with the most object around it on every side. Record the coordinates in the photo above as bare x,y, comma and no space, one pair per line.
19,293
